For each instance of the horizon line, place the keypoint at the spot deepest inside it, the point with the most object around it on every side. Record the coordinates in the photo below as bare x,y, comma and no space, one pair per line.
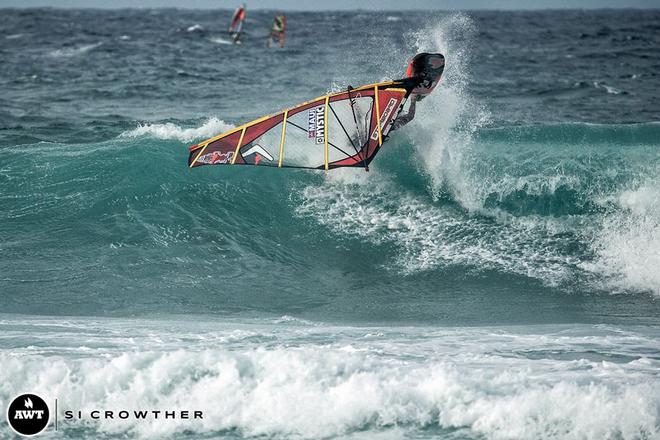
184,8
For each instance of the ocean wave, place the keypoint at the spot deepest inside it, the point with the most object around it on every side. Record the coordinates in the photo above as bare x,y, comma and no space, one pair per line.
499,385
291,320
561,203
558,203
209,128
428,237
571,135
567,205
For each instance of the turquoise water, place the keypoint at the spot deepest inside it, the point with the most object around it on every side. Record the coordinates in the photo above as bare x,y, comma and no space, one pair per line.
494,274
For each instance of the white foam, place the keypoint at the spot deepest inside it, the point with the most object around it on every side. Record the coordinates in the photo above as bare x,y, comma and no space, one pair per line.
609,89
447,119
209,128
428,236
195,28
319,383
74,51
628,243
643,201
220,40
292,320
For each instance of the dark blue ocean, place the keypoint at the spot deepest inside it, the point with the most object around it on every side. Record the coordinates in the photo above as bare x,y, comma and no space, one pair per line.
495,275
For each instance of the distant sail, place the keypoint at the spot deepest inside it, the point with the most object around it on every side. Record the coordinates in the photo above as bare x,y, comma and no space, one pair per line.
344,129
277,30
236,24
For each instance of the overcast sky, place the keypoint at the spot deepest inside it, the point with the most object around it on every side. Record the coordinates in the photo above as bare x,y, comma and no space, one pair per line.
339,4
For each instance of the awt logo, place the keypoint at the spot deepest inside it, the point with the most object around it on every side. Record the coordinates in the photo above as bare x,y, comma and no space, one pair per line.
28,414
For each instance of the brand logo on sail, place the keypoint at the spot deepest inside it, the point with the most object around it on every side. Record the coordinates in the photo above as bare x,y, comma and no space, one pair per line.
385,116
316,124
216,157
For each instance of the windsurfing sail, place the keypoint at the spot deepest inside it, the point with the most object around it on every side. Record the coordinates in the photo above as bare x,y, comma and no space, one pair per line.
236,25
277,30
343,129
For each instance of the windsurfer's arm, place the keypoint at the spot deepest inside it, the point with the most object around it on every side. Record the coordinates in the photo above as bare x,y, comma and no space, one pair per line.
404,119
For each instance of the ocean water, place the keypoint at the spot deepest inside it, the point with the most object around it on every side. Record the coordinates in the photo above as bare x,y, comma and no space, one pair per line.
496,273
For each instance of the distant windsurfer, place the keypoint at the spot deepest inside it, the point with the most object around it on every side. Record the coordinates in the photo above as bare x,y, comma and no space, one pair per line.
236,26
277,30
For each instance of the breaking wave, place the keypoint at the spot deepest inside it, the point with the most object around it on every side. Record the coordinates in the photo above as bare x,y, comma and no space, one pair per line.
499,384
169,130
570,205
562,203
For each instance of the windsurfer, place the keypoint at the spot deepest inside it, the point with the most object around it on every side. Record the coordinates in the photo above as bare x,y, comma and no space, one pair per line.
277,30
236,26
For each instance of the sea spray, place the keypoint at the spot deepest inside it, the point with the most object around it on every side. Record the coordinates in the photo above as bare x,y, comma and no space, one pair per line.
169,130
447,119
627,245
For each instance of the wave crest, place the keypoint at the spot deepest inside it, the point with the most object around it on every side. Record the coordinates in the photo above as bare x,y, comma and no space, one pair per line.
168,130
414,381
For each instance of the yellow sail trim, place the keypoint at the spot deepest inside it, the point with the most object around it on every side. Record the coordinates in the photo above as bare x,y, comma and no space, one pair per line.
380,130
279,162
396,89
203,144
238,146
233,130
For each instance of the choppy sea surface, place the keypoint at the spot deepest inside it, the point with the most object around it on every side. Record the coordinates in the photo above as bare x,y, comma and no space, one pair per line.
496,273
